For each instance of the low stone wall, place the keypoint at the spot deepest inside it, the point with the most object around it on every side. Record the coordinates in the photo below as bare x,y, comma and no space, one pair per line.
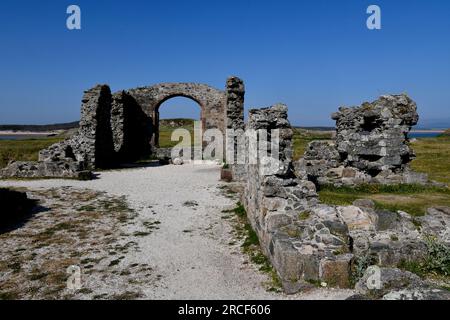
298,236
113,129
310,243
46,169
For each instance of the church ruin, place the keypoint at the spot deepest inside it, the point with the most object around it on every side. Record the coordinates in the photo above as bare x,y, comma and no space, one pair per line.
306,241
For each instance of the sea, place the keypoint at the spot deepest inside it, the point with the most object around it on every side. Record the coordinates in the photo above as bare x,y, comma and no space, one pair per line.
424,134
21,137
26,137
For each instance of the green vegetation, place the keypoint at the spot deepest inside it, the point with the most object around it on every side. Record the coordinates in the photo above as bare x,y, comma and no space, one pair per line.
23,150
446,133
433,156
304,215
39,128
414,199
251,246
437,261
166,130
303,137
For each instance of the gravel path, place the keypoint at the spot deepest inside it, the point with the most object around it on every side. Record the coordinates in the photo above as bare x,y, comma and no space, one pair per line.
190,251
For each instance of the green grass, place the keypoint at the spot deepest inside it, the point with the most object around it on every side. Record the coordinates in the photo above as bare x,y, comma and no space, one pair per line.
433,158
414,199
251,246
23,150
165,135
436,262
303,137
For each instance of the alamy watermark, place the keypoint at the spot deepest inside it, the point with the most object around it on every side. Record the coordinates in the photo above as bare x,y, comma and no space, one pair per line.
251,147
73,21
74,279
374,20
374,280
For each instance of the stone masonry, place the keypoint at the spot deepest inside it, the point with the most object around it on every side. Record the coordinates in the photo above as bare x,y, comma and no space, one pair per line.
210,100
371,145
124,126
235,92
310,243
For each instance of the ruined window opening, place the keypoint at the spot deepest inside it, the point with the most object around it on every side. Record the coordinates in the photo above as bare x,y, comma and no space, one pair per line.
370,124
68,153
370,157
373,172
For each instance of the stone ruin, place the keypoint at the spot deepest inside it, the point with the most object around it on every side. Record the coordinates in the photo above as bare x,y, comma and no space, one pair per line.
124,127
311,243
371,146
306,241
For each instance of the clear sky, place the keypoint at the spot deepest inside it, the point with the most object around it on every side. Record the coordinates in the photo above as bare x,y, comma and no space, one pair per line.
313,55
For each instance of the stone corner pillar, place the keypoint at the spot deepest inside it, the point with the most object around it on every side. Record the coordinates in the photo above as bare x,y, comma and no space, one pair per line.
234,125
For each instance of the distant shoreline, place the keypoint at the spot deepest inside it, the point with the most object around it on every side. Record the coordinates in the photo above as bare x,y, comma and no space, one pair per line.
50,133
28,133
427,131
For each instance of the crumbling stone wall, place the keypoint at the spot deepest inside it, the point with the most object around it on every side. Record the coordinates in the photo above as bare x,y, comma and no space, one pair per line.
94,143
124,126
235,140
309,242
131,128
279,206
371,145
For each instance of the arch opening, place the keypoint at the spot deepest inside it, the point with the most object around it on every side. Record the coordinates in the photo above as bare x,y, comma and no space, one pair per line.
176,112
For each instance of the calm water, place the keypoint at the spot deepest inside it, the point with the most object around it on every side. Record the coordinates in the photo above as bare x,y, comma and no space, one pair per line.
424,134
21,137
24,137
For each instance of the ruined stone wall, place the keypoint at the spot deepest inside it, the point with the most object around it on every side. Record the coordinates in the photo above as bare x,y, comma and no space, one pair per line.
210,100
371,145
131,128
235,140
275,201
309,242
91,147
94,143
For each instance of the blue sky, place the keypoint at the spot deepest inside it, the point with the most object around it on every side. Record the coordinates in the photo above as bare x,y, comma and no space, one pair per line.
312,55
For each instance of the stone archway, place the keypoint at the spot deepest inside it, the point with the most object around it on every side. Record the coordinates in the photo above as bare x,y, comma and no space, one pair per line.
212,103
117,128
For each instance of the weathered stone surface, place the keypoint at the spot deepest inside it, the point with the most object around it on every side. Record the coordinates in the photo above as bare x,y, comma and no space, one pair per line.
226,175
358,219
235,92
305,241
123,127
47,169
131,128
94,142
177,161
364,203
92,146
421,293
395,284
389,278
371,146
336,272
212,103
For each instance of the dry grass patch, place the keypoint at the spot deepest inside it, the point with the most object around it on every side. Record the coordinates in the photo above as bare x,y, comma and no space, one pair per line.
78,227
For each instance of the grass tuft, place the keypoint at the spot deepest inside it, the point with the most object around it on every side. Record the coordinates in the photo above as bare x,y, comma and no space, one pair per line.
414,199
